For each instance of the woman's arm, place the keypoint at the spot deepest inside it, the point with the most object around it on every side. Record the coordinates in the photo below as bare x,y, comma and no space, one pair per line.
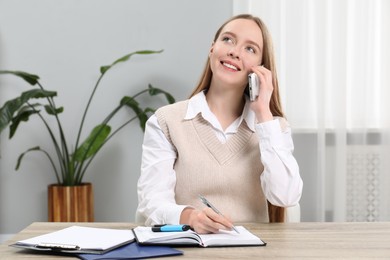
156,185
281,181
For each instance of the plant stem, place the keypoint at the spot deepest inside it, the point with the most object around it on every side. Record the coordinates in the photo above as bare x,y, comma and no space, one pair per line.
108,138
80,170
52,163
139,93
86,110
65,152
56,146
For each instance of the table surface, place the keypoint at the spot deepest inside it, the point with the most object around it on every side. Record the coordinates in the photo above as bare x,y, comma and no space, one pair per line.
305,240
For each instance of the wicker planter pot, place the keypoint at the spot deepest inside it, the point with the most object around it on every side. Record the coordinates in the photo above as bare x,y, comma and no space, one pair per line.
70,203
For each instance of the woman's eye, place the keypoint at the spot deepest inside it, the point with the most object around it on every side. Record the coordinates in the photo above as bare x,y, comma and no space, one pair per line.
227,39
251,49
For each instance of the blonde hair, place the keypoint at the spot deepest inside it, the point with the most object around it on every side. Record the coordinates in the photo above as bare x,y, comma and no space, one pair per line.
268,61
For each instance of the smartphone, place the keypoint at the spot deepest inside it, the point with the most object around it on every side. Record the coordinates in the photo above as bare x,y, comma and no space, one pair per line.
254,86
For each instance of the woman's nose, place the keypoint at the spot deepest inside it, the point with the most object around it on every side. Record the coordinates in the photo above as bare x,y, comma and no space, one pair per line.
233,53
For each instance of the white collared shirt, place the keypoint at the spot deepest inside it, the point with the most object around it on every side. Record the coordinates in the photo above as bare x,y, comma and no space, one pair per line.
198,104
280,180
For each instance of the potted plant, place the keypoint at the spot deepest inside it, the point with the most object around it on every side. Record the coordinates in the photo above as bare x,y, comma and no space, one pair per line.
70,166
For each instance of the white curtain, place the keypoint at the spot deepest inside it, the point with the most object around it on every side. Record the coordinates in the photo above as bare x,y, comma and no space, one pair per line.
334,69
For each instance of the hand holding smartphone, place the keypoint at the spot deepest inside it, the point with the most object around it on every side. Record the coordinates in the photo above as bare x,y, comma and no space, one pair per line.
254,86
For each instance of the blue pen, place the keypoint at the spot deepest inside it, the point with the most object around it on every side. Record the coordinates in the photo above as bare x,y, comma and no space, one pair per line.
170,228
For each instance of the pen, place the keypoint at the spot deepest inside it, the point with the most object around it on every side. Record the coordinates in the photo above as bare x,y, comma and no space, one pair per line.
170,228
208,204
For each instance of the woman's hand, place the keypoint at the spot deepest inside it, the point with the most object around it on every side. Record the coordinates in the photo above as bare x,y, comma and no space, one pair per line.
261,105
205,221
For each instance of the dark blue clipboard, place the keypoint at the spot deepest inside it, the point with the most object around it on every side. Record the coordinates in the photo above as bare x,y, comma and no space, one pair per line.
133,251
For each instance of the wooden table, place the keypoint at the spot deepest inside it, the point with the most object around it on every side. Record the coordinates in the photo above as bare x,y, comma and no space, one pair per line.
307,240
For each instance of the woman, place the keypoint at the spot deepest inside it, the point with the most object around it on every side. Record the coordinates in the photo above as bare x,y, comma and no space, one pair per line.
218,144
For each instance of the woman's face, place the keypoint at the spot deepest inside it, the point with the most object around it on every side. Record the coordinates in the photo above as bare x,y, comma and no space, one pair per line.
237,49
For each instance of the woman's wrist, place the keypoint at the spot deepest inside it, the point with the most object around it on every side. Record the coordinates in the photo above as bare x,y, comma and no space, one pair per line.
185,215
264,116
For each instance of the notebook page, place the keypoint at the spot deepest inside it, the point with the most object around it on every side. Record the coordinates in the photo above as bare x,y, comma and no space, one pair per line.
231,238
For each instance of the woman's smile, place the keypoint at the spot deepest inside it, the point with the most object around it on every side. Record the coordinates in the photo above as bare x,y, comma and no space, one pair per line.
231,65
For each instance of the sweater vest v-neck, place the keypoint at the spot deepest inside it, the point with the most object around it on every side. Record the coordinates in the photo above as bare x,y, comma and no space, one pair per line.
227,174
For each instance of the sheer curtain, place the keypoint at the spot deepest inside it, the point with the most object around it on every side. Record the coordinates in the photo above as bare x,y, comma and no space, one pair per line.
334,71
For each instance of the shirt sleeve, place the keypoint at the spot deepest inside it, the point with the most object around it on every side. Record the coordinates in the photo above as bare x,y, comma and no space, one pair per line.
280,180
156,185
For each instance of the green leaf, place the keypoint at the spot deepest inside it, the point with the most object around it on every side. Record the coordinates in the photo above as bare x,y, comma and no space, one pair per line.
52,111
36,148
134,105
30,78
104,69
150,110
12,106
93,143
156,91
23,115
131,102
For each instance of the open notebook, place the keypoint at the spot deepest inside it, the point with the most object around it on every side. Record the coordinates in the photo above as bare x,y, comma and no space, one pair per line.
145,235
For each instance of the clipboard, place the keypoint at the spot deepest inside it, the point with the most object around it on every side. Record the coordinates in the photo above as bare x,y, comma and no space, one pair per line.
78,239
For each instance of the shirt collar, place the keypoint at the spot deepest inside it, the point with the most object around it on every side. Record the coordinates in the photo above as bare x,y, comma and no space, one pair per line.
198,104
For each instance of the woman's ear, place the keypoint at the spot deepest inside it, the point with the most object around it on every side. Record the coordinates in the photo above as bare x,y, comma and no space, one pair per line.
211,49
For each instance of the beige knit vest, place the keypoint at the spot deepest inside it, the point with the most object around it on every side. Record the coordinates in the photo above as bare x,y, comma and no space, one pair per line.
228,175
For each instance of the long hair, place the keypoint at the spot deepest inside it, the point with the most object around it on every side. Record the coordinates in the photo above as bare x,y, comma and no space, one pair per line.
268,62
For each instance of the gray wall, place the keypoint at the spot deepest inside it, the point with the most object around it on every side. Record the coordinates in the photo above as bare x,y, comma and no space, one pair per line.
65,43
